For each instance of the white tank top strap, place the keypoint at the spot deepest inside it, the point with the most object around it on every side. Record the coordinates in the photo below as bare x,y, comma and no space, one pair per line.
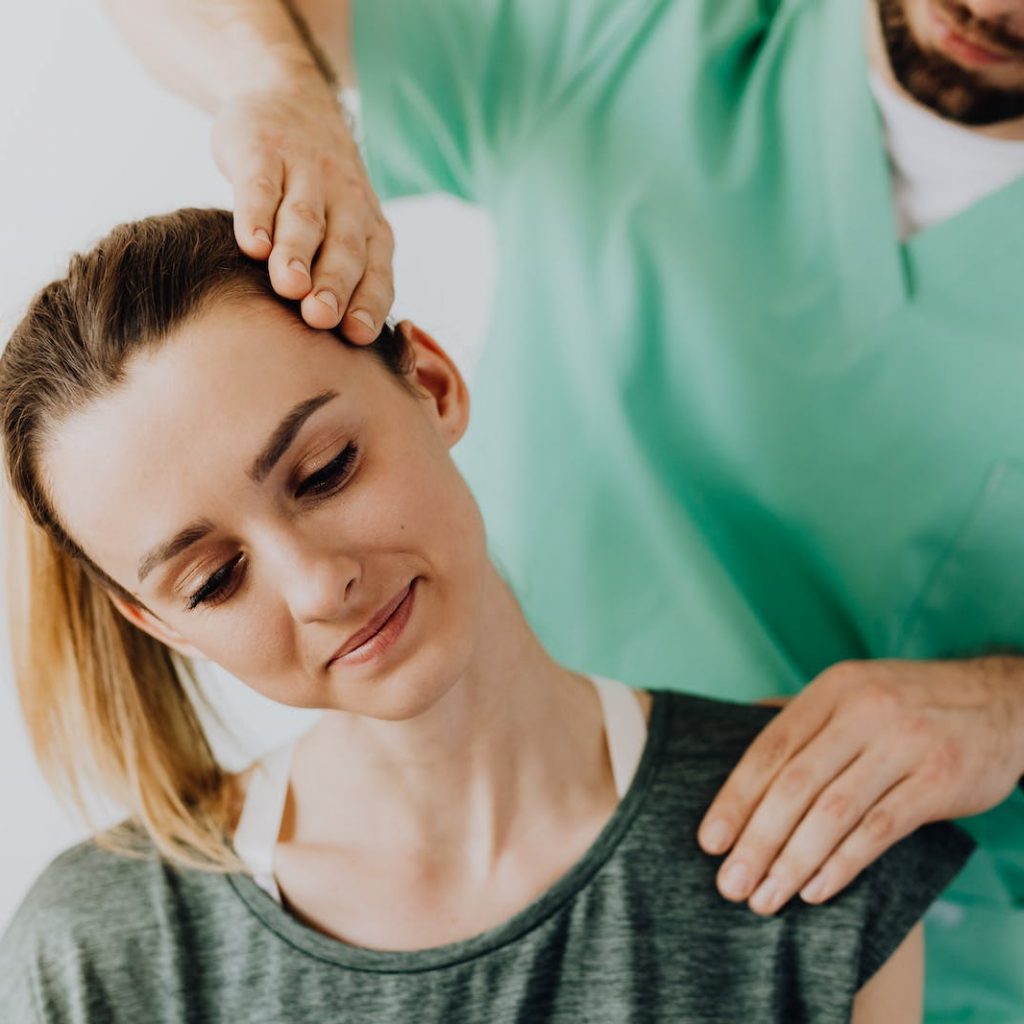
625,730
259,826
260,823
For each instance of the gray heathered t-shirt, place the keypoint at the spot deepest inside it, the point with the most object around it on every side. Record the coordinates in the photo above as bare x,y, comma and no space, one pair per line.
634,932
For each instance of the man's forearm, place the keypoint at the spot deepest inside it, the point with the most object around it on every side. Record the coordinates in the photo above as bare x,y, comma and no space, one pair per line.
209,51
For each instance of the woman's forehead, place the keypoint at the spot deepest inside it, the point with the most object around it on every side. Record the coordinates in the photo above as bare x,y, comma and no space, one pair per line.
176,438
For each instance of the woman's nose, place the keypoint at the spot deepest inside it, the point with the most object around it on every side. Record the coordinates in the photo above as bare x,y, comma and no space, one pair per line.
317,584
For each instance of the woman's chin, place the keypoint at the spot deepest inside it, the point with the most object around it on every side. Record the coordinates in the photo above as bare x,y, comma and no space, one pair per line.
400,695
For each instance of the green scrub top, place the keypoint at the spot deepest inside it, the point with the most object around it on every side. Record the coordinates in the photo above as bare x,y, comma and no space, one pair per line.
728,430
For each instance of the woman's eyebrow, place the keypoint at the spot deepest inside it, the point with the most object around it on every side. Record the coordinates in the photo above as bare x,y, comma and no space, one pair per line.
277,444
279,441
169,549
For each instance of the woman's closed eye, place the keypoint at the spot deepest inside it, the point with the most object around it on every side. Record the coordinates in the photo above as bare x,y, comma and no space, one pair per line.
330,477
220,584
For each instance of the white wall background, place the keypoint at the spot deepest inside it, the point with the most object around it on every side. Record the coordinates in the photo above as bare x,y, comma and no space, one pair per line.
86,141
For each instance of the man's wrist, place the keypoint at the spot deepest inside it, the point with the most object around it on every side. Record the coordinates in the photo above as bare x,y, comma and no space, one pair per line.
288,70
296,64
1011,668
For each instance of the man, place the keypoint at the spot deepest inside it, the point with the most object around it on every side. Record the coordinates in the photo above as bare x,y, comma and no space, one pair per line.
750,415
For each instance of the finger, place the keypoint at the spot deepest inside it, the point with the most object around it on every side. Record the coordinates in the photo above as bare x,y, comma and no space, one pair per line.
298,232
339,266
777,742
256,198
784,804
335,274
773,702
371,301
886,822
838,809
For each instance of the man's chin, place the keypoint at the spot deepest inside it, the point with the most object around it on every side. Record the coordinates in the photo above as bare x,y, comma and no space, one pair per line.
939,83
965,102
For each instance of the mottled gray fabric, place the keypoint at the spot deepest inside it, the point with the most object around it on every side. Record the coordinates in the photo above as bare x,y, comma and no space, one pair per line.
635,932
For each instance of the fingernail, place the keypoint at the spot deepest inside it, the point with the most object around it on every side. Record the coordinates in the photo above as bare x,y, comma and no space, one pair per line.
328,299
261,236
766,898
813,891
298,266
716,836
363,317
735,882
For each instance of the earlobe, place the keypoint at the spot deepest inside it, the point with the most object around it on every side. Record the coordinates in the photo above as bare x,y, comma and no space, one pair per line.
142,618
438,378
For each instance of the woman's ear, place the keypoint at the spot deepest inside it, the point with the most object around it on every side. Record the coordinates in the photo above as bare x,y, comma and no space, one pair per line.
144,619
438,378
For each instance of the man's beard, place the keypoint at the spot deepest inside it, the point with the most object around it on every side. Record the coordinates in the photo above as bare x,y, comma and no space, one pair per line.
938,82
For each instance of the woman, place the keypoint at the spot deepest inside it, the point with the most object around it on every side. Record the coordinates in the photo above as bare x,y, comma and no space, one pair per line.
471,832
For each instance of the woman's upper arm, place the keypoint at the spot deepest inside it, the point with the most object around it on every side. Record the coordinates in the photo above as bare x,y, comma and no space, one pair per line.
894,994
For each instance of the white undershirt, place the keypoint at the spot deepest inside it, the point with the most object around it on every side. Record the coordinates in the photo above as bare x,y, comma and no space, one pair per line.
938,168
256,835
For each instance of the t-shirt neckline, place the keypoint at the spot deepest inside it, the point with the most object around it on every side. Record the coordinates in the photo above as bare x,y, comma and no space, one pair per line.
324,947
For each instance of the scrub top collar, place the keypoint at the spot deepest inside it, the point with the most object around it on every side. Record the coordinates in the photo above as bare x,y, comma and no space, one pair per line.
880,274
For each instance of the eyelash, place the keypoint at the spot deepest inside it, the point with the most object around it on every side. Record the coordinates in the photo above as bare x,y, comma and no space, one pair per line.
321,484
327,480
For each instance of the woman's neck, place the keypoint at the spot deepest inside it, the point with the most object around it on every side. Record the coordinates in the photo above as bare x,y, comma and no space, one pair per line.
515,745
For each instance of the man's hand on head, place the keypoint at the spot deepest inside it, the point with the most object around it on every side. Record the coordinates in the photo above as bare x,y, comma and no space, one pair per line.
303,202
867,753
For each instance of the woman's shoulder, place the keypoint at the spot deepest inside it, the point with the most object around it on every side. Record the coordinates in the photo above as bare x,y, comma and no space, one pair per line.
705,732
94,899
86,889
703,740
76,902
92,916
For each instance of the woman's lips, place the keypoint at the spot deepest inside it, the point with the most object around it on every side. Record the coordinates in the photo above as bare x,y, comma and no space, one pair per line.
380,632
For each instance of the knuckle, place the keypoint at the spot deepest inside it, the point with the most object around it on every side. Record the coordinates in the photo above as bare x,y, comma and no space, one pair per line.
879,824
794,780
772,747
836,807
877,700
327,165
841,674
268,143
943,765
347,184
263,187
350,247
950,756
917,725
307,214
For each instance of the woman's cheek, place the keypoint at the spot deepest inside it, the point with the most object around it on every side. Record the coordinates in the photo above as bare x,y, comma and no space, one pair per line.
253,645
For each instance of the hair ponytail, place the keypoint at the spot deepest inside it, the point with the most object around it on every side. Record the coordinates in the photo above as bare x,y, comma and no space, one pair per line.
110,710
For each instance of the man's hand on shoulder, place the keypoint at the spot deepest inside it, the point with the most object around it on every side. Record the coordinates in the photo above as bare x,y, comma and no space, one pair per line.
866,754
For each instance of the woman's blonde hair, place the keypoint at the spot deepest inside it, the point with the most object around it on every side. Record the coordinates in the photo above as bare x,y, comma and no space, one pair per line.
110,709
